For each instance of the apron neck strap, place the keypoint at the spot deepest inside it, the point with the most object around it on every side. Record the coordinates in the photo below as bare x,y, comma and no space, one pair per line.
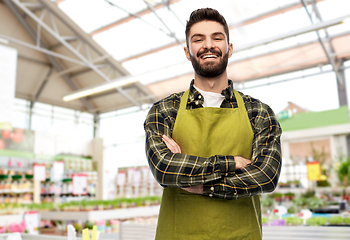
239,99
184,98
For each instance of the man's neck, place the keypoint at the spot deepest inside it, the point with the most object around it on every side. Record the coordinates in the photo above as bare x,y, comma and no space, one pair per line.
215,85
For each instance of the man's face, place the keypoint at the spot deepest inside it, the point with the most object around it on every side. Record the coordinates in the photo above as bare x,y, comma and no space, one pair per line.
208,49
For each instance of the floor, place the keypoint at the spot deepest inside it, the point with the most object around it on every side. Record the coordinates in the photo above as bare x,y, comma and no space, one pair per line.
286,233
306,233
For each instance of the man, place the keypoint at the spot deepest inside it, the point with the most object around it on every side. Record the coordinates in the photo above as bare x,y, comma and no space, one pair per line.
212,148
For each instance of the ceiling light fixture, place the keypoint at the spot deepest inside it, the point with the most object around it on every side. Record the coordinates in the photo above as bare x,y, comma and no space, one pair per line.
99,88
4,41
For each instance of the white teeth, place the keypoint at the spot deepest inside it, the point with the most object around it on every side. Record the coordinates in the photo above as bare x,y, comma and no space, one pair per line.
209,56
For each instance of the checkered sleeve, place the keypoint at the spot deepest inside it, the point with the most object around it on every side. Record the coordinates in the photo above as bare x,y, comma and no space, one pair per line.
178,170
261,176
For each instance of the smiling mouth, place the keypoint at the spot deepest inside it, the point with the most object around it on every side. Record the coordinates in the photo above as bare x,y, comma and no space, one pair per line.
209,56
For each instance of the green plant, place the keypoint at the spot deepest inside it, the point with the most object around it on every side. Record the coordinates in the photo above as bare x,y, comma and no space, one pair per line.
292,210
265,220
317,221
336,220
289,196
346,220
266,202
294,221
315,202
344,173
308,194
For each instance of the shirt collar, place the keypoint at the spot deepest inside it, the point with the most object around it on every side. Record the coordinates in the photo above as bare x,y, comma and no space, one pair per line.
194,97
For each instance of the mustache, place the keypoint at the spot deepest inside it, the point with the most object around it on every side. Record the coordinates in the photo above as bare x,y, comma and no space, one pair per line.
211,51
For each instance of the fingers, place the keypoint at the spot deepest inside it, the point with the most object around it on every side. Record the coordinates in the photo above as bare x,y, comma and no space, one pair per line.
241,162
195,189
171,144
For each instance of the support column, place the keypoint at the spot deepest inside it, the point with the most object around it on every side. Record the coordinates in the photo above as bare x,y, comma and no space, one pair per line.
97,157
96,125
287,162
339,149
341,86
30,115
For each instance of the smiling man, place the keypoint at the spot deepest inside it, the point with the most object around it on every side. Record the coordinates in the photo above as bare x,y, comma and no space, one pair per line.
213,149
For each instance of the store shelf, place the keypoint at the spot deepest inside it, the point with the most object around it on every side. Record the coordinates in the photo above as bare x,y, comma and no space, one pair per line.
11,218
123,213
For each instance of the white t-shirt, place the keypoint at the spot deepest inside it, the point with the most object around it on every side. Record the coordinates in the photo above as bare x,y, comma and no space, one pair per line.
211,99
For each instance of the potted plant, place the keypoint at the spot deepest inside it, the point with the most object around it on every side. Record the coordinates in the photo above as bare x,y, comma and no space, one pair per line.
344,175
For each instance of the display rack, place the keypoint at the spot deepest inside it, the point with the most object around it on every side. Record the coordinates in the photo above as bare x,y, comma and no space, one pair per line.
11,218
124,213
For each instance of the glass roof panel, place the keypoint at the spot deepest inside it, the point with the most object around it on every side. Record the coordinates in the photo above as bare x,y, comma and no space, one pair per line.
91,14
342,8
132,39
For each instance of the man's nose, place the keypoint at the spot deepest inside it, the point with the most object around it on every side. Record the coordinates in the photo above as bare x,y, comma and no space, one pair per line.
209,43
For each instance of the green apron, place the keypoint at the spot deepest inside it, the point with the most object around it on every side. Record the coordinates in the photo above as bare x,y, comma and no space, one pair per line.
206,132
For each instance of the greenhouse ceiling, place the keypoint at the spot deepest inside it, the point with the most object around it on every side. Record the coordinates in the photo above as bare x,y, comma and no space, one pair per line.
67,46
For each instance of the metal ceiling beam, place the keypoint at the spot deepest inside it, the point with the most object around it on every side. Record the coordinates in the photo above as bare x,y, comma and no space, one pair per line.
129,18
271,13
151,51
311,28
79,37
330,59
242,23
42,86
21,56
342,95
43,50
58,37
53,60
172,34
270,53
292,47
318,15
137,17
166,3
128,97
287,79
85,59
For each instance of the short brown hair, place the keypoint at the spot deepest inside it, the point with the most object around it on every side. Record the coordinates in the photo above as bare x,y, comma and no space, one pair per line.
205,14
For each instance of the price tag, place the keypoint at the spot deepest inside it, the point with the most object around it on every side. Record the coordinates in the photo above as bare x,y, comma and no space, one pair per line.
80,184
32,222
121,178
39,172
57,171
313,171
130,175
136,177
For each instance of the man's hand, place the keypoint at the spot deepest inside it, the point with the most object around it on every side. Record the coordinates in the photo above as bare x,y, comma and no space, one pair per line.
171,144
175,148
195,189
241,162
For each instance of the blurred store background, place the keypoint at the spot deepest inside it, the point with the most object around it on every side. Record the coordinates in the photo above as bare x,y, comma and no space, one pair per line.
78,77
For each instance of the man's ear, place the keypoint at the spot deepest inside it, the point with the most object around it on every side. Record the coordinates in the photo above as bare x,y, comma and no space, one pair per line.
230,49
187,53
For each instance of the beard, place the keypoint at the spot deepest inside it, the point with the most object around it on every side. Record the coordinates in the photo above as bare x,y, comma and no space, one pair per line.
210,69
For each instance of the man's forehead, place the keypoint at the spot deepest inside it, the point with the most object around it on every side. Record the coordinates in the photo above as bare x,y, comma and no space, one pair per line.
207,27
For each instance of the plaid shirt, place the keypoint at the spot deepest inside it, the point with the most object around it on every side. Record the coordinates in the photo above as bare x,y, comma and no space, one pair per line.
218,174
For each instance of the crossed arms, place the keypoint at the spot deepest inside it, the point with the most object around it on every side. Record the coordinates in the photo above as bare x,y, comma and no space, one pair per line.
228,177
